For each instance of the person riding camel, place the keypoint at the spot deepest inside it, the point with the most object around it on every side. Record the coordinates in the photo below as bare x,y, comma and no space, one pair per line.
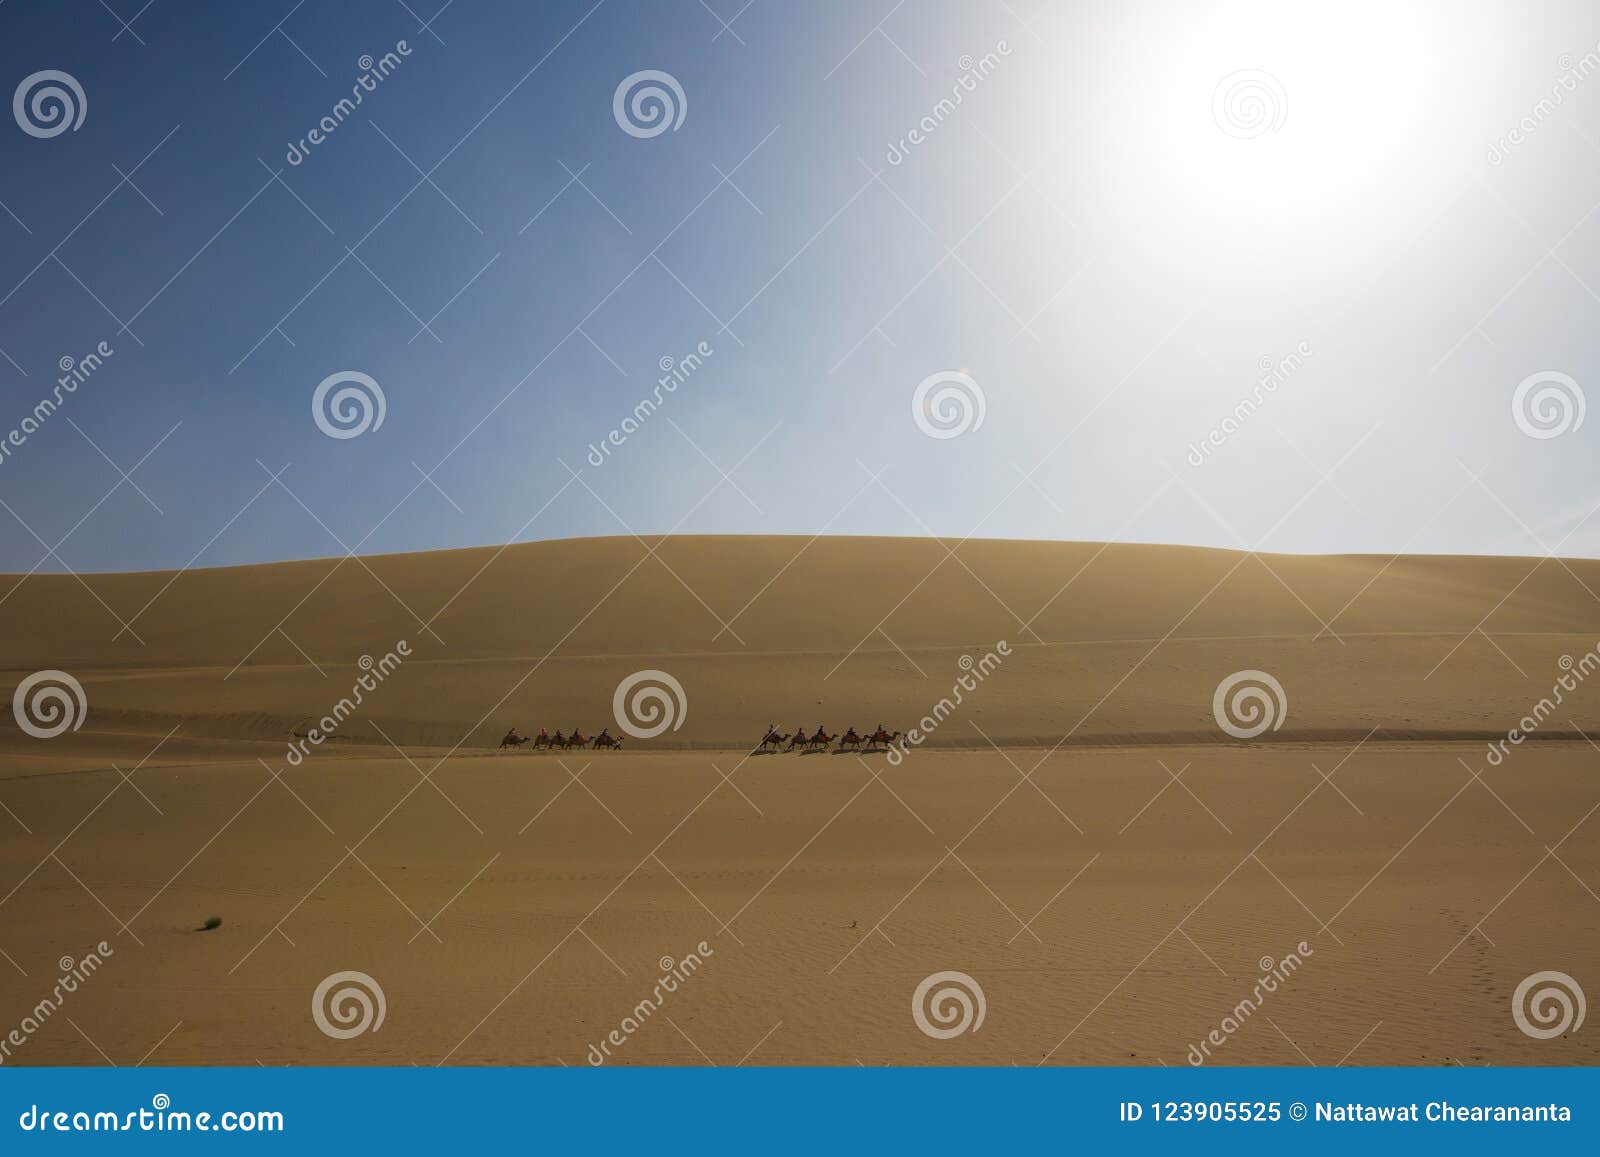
512,737
543,734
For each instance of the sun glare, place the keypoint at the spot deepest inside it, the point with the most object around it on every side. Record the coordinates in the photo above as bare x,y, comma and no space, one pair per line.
1273,119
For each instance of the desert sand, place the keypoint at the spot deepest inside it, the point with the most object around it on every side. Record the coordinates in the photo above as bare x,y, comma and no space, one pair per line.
1079,836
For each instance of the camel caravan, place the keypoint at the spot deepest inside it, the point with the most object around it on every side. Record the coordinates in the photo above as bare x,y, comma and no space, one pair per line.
605,740
771,743
852,740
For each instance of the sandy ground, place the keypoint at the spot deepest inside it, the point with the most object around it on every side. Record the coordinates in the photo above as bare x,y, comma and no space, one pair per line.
1079,838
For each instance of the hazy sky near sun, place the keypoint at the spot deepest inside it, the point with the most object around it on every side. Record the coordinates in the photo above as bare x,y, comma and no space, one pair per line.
1129,212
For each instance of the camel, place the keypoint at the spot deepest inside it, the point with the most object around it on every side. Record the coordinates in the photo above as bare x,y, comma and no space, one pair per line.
772,740
605,739
512,739
851,741
882,738
819,741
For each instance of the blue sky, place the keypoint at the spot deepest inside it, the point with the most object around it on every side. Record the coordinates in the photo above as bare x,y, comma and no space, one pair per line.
1105,236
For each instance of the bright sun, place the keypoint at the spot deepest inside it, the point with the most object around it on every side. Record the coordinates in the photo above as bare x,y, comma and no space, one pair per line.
1276,118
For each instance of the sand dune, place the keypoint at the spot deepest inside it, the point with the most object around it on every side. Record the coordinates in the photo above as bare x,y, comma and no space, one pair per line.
1079,835
840,631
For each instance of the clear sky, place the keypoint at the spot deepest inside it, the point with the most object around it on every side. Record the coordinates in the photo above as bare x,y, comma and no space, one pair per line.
1112,219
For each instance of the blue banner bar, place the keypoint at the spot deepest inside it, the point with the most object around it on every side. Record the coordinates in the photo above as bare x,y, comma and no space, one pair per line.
745,1111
